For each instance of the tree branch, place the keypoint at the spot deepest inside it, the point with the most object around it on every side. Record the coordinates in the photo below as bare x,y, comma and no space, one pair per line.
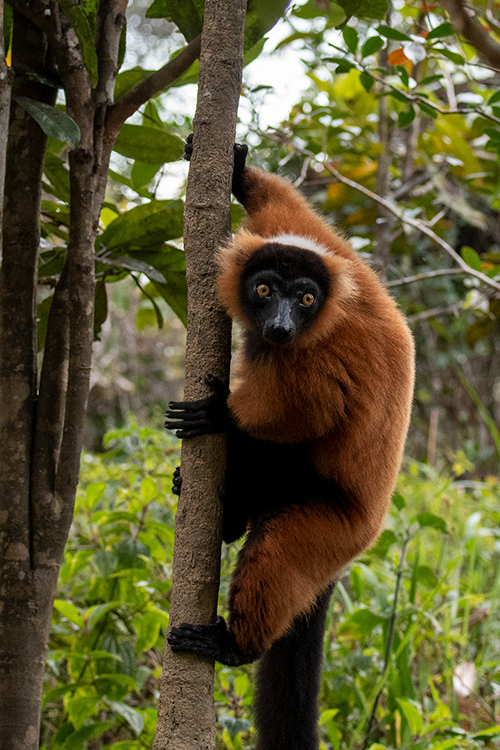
419,225
428,275
485,46
152,85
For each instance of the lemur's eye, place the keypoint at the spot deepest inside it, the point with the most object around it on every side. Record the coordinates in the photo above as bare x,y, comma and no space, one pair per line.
263,290
308,299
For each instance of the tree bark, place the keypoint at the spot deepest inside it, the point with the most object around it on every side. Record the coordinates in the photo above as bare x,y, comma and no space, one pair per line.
5,85
186,716
25,598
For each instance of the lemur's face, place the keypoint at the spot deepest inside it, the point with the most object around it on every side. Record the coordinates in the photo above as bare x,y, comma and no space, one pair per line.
283,289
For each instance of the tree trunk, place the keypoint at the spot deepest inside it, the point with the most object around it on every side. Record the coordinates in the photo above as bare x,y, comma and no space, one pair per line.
186,716
25,594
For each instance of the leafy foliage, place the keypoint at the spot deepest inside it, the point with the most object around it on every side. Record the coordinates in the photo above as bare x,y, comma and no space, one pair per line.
408,664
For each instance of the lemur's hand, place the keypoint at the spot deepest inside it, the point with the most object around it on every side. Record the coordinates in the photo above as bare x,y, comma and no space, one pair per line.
206,416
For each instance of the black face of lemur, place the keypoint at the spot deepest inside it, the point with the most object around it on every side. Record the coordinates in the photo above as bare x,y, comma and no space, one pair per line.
283,289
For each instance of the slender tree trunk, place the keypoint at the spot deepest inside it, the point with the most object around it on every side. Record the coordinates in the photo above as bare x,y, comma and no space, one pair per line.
187,717
5,85
25,595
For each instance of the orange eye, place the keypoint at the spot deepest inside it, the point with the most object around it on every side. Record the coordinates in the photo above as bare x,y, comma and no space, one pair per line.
308,300
263,290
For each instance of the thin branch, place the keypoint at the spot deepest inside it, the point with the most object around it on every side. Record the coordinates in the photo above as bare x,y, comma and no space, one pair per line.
485,46
152,85
417,224
451,310
428,275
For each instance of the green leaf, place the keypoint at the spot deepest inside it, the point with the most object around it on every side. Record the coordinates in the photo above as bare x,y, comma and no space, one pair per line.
53,122
350,38
444,29
471,258
134,264
365,8
262,15
96,613
106,562
148,145
372,45
77,740
366,80
69,611
133,718
453,56
398,500
147,628
81,708
234,726
385,541
143,226
405,118
85,35
186,14
127,79
394,34
494,98
425,575
93,494
58,176
413,715
141,174
429,519
148,489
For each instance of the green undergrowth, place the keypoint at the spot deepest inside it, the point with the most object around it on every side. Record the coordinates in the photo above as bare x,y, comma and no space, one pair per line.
412,649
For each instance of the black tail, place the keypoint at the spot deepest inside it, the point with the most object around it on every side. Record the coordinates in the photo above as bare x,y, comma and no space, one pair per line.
288,681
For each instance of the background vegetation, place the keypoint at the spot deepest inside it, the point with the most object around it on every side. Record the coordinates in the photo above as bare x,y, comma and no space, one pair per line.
396,139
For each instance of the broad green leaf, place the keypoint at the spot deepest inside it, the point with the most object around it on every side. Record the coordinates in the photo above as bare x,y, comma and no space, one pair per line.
372,45
394,34
313,9
350,38
494,98
58,176
80,23
366,80
141,174
81,708
68,610
262,15
425,575
398,500
444,29
93,494
97,612
385,541
78,739
186,14
471,258
127,79
453,56
53,122
412,714
148,489
149,145
429,519
234,726
134,264
133,718
364,8
143,226
107,562
147,627
405,118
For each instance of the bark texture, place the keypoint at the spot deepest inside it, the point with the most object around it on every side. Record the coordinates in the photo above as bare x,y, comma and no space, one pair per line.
25,600
187,716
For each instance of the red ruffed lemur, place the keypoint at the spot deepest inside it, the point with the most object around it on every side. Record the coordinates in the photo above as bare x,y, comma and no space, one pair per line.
316,426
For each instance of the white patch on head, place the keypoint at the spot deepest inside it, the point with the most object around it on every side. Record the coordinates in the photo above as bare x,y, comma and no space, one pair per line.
297,240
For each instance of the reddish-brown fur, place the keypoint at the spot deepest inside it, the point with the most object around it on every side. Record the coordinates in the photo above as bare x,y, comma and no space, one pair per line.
343,388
